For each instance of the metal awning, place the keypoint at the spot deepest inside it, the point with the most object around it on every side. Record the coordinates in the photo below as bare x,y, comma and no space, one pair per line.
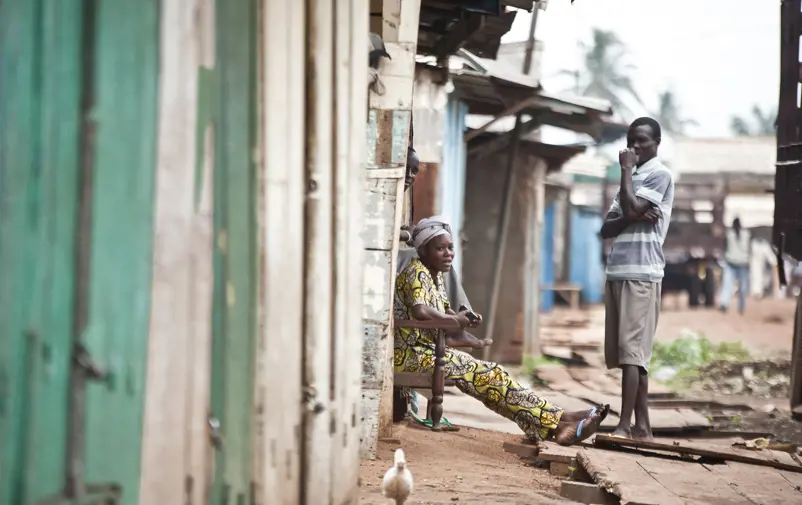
448,25
504,93
555,155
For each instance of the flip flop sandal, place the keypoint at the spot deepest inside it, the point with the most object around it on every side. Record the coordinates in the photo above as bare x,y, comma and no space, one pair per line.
578,435
444,423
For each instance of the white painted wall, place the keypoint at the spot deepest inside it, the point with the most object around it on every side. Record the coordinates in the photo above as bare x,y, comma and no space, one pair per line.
175,443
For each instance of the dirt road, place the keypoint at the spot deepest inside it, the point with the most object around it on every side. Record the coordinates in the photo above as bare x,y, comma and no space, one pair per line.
465,467
765,328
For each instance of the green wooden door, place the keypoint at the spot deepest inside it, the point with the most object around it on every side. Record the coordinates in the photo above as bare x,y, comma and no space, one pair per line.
234,320
39,133
77,133
121,139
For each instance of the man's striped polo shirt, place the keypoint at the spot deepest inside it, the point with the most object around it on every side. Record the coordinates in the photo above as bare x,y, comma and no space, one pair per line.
637,253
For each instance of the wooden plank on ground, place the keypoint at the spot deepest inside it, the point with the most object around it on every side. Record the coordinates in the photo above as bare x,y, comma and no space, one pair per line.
569,402
556,376
621,475
556,453
585,493
780,460
691,483
661,419
527,451
763,485
674,403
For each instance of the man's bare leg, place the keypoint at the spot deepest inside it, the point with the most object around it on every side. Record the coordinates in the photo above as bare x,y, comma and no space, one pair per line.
465,339
643,427
630,384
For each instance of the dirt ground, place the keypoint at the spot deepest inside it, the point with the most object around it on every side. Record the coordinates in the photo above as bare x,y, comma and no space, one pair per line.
469,466
765,328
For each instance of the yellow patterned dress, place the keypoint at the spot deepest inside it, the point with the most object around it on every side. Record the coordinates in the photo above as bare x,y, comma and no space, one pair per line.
485,381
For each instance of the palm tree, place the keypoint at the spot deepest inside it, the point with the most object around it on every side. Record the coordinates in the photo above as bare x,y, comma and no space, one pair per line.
605,74
668,114
762,123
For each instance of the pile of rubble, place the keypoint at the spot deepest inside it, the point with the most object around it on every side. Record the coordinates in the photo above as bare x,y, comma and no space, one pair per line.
765,378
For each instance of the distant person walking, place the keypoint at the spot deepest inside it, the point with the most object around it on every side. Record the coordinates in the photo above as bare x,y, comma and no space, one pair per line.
737,254
637,222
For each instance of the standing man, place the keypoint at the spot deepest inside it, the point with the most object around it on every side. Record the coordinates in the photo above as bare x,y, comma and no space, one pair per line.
637,221
737,255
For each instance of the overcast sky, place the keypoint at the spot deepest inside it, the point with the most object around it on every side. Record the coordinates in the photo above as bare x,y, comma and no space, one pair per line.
719,56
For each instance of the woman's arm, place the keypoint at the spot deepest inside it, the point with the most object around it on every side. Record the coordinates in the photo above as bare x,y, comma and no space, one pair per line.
423,312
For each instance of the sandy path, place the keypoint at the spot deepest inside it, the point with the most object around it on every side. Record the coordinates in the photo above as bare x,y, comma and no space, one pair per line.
465,467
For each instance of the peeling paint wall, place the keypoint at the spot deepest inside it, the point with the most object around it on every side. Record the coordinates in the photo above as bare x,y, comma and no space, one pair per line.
387,139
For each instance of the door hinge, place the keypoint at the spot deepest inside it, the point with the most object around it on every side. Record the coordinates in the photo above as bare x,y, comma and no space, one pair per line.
215,433
84,362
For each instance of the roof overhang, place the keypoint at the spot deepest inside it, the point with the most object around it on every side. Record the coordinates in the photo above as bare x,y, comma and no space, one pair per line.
447,25
554,155
495,93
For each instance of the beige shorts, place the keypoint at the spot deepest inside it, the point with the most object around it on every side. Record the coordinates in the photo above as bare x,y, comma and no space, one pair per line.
631,312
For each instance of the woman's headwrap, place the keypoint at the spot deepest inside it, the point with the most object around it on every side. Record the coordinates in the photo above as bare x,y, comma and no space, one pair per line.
429,228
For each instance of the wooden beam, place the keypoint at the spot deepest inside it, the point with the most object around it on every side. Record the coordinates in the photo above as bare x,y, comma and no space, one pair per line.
526,5
484,149
509,111
459,34
506,209
773,459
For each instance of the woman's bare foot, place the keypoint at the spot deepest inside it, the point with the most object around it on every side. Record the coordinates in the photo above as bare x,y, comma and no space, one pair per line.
642,433
574,427
465,339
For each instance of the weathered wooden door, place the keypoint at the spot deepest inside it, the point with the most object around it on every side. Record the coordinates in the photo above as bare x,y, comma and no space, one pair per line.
39,132
234,303
77,103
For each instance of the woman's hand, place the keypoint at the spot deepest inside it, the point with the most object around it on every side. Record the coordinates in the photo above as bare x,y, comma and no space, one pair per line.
463,320
472,322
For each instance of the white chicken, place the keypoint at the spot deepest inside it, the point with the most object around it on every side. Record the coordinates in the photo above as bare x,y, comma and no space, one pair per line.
397,483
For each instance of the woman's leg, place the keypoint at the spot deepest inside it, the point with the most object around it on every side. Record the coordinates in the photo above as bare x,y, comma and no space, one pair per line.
537,418
490,383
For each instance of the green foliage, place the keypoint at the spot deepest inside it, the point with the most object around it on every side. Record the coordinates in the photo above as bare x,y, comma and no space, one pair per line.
689,353
692,351
762,122
532,363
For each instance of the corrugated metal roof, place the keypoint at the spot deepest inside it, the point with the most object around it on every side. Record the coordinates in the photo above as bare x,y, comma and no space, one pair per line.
449,24
495,86
756,155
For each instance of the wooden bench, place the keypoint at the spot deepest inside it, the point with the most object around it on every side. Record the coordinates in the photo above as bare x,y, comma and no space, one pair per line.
568,292
436,381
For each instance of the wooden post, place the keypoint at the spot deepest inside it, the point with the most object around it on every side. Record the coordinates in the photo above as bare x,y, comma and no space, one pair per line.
535,207
504,217
438,381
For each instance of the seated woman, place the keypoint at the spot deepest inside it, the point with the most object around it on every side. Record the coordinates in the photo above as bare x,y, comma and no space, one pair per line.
455,296
420,295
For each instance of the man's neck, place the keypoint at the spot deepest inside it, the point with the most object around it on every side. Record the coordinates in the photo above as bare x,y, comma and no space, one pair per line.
641,163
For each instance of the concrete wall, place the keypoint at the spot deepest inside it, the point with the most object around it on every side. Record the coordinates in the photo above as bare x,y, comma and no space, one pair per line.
483,202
